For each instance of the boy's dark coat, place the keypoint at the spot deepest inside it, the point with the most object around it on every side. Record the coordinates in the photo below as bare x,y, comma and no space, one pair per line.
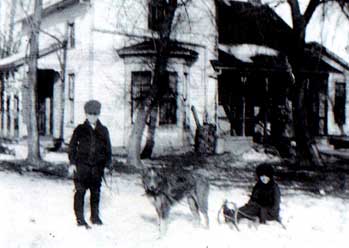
89,149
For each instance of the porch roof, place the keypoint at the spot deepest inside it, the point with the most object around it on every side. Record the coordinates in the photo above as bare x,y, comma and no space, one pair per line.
259,62
16,60
314,57
148,48
12,61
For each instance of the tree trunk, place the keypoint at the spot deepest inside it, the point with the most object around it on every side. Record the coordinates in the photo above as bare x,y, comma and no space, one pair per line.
149,145
307,151
160,66
143,112
60,140
32,125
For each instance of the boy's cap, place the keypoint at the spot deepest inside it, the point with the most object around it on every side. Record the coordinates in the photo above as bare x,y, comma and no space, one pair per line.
93,107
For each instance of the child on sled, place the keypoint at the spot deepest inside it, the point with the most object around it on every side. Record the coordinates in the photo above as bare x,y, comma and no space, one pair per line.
264,203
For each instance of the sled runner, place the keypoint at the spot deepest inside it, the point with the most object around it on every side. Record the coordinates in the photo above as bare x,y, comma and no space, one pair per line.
231,214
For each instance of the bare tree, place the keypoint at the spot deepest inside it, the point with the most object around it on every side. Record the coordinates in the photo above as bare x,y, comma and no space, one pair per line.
306,147
32,123
8,44
149,107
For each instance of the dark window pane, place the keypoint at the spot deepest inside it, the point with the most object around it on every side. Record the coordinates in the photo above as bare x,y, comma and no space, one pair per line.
158,12
339,103
168,103
140,86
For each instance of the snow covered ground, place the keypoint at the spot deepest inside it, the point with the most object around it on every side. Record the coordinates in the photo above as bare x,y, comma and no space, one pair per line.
37,212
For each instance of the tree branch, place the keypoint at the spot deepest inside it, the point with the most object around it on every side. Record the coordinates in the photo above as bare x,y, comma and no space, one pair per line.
313,4
344,4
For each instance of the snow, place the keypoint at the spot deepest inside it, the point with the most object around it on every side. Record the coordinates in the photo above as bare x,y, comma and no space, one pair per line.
38,212
245,52
255,156
21,151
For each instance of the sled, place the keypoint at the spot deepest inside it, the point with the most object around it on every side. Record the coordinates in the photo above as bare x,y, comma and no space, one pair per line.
232,219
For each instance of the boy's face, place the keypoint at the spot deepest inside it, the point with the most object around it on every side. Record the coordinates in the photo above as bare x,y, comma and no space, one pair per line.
264,179
92,118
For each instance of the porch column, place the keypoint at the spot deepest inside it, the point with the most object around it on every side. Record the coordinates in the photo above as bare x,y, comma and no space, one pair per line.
57,107
243,81
266,101
12,116
47,115
5,115
2,92
20,113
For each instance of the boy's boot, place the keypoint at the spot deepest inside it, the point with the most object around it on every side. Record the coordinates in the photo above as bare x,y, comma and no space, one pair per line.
95,219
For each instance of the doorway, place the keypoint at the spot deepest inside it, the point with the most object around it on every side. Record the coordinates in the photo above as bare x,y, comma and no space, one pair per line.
46,79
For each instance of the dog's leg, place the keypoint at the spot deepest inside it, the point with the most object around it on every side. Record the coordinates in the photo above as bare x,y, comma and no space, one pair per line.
163,224
162,209
194,208
204,217
202,193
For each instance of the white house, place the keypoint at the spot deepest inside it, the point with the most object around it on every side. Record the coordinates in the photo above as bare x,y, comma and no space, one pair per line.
101,49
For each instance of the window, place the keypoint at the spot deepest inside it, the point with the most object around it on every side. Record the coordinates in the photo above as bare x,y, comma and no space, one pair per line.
158,11
339,103
140,86
16,112
71,86
168,103
141,82
71,34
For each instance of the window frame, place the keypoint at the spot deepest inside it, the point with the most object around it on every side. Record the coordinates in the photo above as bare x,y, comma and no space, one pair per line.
71,96
167,105
71,35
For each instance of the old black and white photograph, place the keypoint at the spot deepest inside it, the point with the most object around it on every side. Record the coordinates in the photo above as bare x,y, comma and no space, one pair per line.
174,123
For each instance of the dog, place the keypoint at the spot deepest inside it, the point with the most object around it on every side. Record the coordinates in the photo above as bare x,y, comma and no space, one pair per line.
166,188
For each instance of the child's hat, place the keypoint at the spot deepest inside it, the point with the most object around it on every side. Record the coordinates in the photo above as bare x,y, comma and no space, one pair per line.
265,169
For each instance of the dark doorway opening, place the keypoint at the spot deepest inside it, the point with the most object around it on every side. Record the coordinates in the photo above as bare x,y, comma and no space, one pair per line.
46,80
251,101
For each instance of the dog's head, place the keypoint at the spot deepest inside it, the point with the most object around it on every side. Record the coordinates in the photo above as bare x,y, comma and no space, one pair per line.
152,181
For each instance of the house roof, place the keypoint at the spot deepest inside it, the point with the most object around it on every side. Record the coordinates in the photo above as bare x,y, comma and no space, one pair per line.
245,23
317,50
148,48
55,7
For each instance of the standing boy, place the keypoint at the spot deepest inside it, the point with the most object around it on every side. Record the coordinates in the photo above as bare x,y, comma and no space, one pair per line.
89,154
